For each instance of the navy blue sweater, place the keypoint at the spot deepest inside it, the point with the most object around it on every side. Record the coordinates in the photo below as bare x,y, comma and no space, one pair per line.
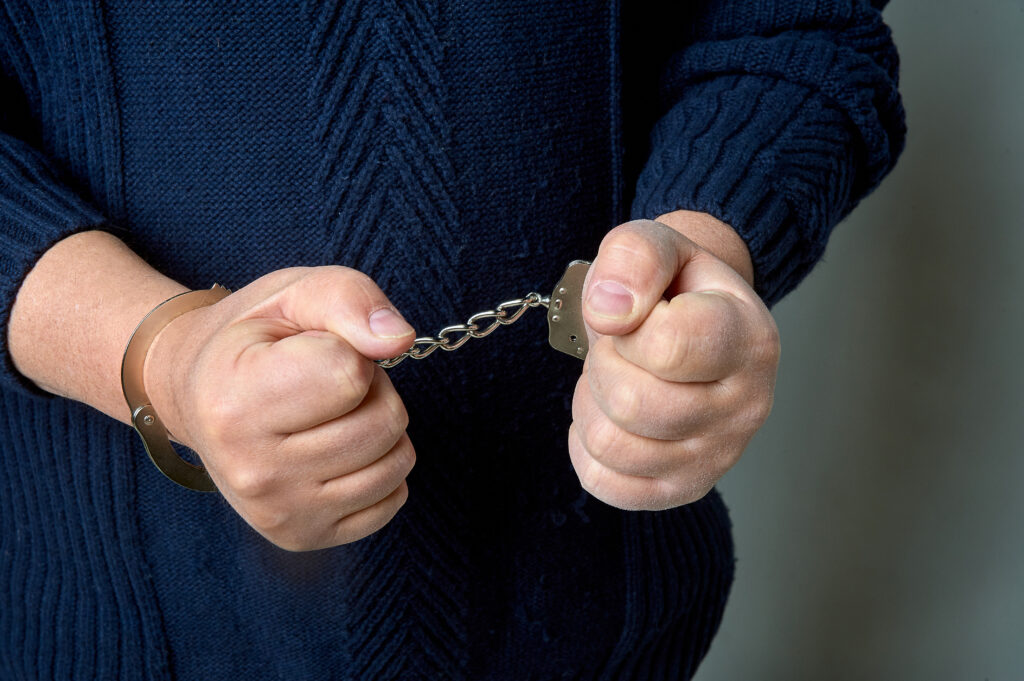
460,154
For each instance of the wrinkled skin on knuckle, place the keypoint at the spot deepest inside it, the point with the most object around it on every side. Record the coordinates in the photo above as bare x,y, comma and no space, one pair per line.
713,456
345,286
756,411
407,457
708,324
670,347
348,532
646,243
624,401
750,403
766,347
399,421
590,477
603,482
248,481
220,418
391,470
352,374
399,465
602,439
270,519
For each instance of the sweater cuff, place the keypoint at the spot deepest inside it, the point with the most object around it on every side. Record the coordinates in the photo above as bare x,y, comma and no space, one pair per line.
36,211
771,158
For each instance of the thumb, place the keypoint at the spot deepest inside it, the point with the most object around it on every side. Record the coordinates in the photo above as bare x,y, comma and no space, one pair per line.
636,263
349,304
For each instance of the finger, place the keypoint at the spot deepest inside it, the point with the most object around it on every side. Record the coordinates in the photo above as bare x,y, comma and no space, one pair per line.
621,450
353,441
369,520
643,404
299,513
694,337
628,492
352,492
637,263
303,380
349,304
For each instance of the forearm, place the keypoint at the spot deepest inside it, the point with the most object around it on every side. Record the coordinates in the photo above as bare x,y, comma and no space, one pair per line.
75,312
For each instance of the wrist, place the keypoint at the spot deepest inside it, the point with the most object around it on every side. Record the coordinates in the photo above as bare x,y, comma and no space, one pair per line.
74,314
167,372
714,236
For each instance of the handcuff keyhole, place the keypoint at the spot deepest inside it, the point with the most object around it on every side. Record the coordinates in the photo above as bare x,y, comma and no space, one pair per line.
573,338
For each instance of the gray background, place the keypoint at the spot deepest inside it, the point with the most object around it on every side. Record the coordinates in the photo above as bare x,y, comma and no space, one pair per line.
879,515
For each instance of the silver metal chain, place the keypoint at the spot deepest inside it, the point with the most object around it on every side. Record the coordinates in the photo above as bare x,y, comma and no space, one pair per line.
479,325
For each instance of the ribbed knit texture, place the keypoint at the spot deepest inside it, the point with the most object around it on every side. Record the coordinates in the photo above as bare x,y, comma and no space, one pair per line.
459,154
72,109
779,119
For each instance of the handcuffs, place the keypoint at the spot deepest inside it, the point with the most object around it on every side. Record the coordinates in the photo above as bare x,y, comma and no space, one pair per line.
566,333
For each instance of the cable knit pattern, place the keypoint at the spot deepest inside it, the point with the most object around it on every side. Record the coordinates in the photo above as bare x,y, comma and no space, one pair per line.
383,134
459,153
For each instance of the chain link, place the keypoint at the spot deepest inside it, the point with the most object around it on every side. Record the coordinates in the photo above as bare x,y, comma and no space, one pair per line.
479,325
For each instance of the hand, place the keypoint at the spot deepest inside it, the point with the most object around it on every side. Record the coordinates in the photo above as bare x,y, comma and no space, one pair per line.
275,389
680,372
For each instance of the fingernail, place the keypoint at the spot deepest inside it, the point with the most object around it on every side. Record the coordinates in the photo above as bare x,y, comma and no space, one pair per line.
387,323
609,299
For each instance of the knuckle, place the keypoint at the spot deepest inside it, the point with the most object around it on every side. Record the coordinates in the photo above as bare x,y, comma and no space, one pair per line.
403,458
343,287
671,347
635,240
344,280
755,412
271,521
354,529
630,252
590,479
401,496
625,402
399,414
388,475
767,345
248,481
220,416
353,375
602,440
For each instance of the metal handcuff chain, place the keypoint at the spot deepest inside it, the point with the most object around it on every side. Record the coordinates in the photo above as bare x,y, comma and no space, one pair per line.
479,325
565,321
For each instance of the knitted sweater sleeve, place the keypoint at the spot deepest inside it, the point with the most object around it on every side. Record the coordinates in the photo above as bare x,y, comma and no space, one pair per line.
37,209
779,116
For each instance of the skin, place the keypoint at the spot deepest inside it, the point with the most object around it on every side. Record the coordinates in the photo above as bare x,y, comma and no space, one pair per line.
304,435
682,363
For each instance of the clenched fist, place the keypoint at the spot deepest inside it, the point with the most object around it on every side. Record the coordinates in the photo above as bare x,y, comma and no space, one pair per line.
274,387
680,373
